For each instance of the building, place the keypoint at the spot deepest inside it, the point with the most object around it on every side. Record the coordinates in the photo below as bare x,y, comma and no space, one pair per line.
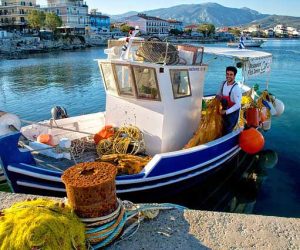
99,22
292,32
175,24
73,13
13,13
194,29
149,25
281,30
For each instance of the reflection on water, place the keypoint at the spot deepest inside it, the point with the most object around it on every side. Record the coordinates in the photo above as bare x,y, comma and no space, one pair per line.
31,87
234,188
245,190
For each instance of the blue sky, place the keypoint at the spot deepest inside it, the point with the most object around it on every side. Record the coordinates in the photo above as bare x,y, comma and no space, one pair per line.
279,7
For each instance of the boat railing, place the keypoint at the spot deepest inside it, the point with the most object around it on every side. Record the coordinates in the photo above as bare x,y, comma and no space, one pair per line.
157,52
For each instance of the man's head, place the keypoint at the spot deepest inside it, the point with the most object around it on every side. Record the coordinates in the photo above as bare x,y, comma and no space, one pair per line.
230,74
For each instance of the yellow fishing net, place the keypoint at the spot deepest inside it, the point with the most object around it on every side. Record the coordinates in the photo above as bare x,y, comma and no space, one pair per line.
210,127
40,224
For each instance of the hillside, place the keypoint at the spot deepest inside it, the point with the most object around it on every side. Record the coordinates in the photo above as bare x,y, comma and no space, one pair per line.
272,21
199,13
217,14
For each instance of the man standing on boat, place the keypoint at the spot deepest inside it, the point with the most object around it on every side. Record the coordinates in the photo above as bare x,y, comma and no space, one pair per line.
230,96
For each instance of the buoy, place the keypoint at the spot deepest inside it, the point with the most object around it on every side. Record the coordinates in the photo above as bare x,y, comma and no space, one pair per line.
251,141
45,139
279,107
252,117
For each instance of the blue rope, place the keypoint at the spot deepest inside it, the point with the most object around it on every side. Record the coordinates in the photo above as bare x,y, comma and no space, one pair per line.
115,231
113,234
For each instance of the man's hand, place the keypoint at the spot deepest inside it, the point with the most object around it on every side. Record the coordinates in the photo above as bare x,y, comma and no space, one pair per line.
223,112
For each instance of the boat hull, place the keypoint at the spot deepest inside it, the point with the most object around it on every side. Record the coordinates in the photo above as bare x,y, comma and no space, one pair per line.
165,175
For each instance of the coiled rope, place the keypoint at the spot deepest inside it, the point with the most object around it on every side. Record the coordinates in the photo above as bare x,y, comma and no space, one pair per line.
122,223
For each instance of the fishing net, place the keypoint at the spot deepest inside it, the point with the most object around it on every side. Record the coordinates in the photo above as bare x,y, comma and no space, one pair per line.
126,163
40,224
210,127
158,52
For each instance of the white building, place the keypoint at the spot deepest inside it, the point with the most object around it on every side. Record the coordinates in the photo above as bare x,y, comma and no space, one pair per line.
148,24
281,30
292,32
74,14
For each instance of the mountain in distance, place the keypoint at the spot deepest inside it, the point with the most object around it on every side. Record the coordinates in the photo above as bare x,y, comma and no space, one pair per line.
216,14
273,20
198,13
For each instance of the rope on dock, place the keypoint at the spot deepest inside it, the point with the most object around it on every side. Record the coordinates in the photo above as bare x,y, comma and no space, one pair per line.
123,223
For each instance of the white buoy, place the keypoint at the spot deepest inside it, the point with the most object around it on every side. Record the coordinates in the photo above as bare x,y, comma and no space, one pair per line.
8,122
279,106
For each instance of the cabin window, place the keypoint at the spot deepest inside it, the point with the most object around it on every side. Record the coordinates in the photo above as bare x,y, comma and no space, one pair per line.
146,83
124,79
108,76
180,83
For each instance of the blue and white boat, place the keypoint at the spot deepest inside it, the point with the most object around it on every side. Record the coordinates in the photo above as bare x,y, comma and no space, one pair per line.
162,98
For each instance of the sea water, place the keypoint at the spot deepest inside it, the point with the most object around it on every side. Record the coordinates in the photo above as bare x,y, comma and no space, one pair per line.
30,87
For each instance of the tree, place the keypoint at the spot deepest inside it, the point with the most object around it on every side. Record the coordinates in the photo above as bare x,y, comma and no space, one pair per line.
125,28
52,21
175,32
207,29
235,32
36,19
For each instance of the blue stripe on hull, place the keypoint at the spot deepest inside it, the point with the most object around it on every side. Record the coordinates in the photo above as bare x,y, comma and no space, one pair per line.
180,162
171,169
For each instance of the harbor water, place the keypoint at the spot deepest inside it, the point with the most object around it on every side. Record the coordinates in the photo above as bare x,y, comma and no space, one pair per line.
30,87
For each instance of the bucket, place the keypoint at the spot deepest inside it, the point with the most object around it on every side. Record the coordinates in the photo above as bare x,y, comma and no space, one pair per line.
252,117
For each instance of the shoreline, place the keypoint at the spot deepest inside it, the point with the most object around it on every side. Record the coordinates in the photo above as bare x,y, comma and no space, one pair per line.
10,49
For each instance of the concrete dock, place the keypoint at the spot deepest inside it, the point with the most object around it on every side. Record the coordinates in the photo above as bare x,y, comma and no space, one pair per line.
193,229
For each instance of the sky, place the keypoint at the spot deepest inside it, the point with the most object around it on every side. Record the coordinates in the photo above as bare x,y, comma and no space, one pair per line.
278,7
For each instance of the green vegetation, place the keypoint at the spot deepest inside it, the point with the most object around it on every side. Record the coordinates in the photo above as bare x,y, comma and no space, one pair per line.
207,29
125,28
52,21
36,19
234,31
175,32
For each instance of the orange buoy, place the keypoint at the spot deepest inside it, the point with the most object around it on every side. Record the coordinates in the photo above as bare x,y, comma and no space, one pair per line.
251,141
252,117
45,139
106,132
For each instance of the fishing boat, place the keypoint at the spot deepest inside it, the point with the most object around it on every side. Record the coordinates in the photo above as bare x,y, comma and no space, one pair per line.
159,93
246,42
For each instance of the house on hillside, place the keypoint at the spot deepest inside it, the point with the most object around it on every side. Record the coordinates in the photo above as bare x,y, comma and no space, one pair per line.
281,30
269,33
292,32
193,28
149,25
